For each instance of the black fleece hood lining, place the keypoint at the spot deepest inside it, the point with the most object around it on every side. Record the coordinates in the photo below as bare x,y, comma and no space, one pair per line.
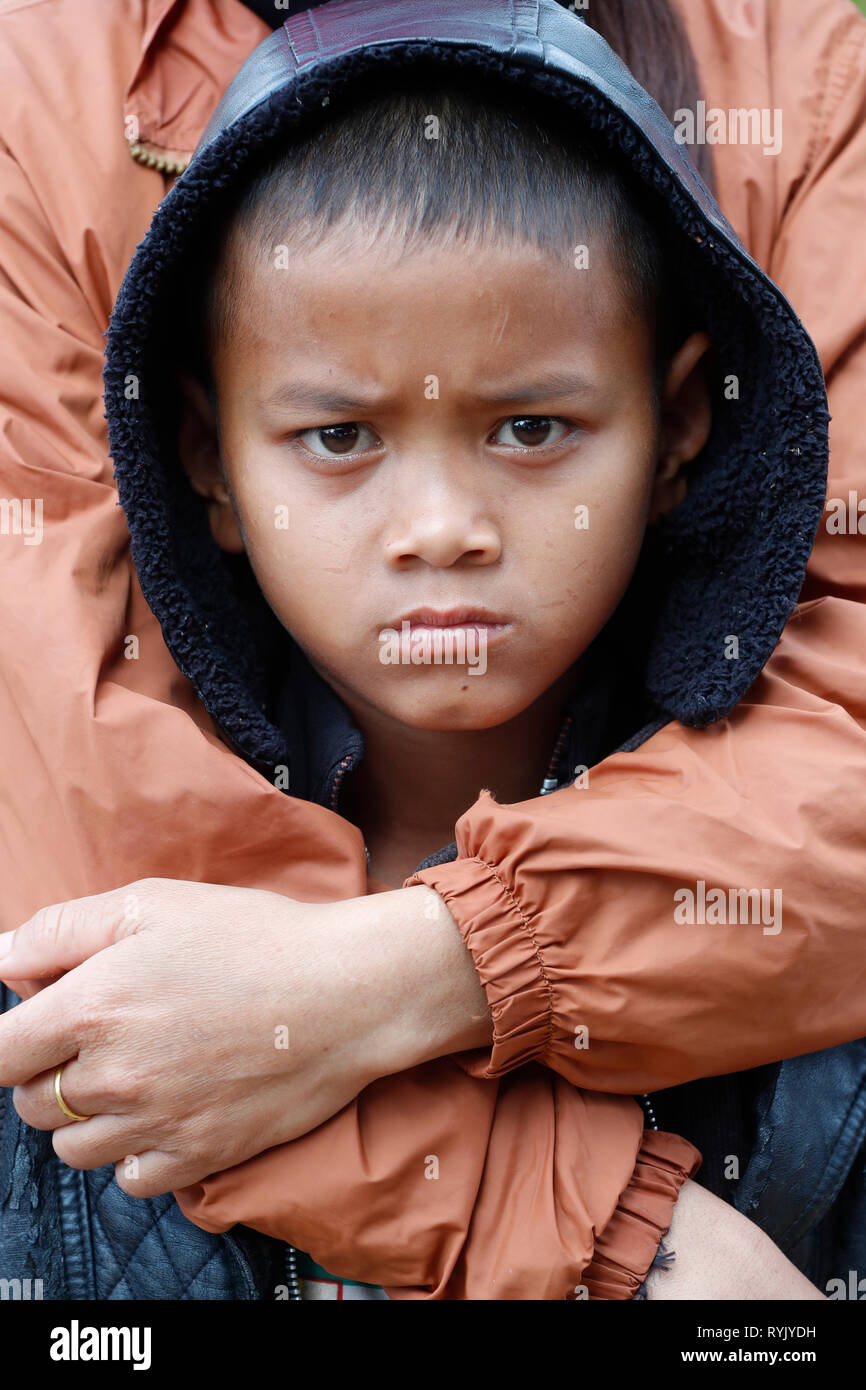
729,561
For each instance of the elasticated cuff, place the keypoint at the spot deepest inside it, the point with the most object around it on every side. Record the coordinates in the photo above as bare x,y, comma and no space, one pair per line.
502,943
629,1244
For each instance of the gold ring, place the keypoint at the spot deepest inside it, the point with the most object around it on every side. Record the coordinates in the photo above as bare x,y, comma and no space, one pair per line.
61,1102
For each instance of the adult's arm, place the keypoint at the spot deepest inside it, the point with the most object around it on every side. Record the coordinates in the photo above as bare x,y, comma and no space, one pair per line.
566,903
404,1184
112,769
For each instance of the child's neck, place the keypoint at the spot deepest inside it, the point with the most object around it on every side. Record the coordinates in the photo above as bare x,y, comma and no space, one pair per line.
412,785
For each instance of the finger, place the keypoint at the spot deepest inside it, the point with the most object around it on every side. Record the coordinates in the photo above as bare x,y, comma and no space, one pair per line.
86,1089
81,1087
37,1105
61,936
25,989
96,1143
153,1172
44,1031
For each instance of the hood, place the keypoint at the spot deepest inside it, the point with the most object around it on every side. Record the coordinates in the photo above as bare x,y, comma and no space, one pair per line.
730,560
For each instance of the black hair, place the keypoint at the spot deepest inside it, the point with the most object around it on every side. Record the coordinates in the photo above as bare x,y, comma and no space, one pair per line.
426,161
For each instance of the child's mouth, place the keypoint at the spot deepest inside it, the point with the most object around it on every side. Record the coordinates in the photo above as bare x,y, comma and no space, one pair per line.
479,619
429,636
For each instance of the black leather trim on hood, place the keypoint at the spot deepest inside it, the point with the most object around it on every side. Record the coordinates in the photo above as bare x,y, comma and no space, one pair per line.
729,561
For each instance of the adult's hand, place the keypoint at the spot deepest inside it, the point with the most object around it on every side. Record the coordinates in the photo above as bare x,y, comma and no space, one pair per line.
203,1024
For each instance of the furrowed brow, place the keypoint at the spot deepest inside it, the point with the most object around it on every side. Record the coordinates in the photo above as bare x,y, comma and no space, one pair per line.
308,396
549,387
299,395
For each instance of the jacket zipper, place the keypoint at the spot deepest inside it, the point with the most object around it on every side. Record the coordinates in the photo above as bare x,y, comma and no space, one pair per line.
332,793
292,1280
647,1106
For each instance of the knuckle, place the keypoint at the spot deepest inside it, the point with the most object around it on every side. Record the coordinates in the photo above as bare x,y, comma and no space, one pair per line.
137,904
187,1139
135,1085
90,1016
110,1087
195,1154
150,887
124,1083
142,884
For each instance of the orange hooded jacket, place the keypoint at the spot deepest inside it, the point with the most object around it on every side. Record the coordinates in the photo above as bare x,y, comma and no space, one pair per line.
119,756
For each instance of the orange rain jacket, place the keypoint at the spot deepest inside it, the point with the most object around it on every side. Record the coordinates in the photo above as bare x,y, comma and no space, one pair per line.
120,759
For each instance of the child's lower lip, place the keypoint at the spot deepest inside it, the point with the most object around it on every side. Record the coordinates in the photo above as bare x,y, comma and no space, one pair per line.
491,630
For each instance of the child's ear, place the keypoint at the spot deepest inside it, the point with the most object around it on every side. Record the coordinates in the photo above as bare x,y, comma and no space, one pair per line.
686,419
198,446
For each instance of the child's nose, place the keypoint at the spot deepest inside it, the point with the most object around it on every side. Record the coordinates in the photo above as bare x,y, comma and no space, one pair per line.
441,538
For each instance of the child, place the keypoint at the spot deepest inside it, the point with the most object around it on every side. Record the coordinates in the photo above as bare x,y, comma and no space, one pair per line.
468,516
446,380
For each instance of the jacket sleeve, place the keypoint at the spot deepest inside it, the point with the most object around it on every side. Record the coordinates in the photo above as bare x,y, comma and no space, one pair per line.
444,1187
117,769
568,903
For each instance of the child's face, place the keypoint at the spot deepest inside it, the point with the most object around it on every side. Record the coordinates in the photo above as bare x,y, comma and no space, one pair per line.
501,449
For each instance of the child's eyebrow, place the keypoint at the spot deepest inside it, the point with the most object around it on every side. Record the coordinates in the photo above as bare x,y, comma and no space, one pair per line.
555,384
308,396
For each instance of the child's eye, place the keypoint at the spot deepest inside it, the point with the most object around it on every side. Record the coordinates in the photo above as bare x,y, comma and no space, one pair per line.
531,431
336,440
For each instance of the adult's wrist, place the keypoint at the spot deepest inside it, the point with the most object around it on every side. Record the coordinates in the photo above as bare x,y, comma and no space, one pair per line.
424,996
451,1013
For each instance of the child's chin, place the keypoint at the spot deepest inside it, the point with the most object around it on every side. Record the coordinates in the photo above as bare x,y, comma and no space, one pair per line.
460,713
